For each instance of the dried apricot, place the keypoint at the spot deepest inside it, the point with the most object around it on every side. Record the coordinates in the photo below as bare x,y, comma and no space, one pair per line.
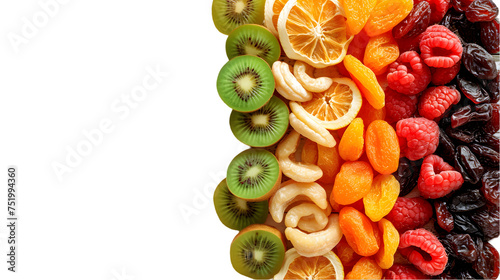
382,147
366,81
370,114
357,13
352,142
359,231
382,197
353,182
358,205
329,161
345,253
309,152
386,15
365,268
381,51
390,243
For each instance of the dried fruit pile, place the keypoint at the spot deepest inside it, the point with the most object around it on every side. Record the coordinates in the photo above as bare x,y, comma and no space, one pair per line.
371,127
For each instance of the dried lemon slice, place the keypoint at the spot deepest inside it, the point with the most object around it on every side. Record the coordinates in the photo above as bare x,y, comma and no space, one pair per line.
295,266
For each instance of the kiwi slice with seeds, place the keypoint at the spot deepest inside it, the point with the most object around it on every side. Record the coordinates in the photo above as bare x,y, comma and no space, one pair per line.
255,40
229,14
263,127
258,252
236,213
253,175
245,83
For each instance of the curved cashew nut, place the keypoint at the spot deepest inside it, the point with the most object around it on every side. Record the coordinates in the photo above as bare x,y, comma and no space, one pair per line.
304,74
316,243
307,217
298,171
312,130
287,85
285,196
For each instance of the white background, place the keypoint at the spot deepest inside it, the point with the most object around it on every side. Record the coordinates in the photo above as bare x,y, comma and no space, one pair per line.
117,213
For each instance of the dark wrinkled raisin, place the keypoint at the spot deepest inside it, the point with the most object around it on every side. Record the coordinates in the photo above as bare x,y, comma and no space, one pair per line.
486,139
487,218
488,262
467,163
468,31
466,201
467,114
481,10
464,224
466,133
461,5
449,20
461,246
479,62
490,35
463,270
493,125
468,85
486,156
407,175
443,216
415,23
446,148
490,186
493,88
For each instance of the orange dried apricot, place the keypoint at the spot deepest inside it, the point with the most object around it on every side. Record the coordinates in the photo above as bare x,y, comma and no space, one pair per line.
329,161
366,81
390,243
382,147
309,152
386,15
359,231
352,142
381,51
365,268
369,114
345,253
353,182
357,13
382,196
358,205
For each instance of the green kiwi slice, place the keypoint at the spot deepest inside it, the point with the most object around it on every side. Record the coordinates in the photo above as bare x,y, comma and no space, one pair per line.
258,252
236,213
229,14
255,40
253,175
263,127
245,83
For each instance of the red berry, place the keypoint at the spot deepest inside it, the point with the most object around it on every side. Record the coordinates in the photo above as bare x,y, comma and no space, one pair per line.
408,74
418,137
442,76
399,106
423,250
400,271
440,47
438,178
410,213
434,101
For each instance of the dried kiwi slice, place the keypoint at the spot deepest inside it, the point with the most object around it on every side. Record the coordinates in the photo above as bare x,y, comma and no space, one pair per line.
263,127
258,251
253,175
236,213
245,83
255,40
229,14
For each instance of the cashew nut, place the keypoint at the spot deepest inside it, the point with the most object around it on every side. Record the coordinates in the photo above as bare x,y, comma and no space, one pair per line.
304,74
287,85
307,217
285,196
316,243
298,171
312,130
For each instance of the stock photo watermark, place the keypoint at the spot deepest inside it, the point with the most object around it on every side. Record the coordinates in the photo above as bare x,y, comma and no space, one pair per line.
121,108
31,25
121,275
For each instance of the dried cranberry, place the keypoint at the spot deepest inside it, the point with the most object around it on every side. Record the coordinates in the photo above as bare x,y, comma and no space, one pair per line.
490,186
466,201
488,218
415,23
479,62
443,216
489,35
488,262
481,10
467,163
487,156
471,88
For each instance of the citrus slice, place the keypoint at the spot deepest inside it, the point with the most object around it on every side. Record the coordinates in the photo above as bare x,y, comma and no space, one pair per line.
272,12
334,108
314,31
295,266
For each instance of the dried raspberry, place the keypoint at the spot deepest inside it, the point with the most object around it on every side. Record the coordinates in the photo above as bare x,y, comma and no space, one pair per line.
440,47
400,271
442,76
438,178
418,137
399,106
438,8
434,101
410,213
408,74
423,250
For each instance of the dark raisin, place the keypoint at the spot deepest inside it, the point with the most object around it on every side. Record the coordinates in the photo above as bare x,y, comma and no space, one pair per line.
488,262
467,114
446,148
466,133
443,216
479,62
469,31
490,35
487,156
466,201
443,276
407,175
461,246
468,85
463,224
493,125
467,163
487,218
490,186
415,23
481,10
461,5
486,139
493,88
451,18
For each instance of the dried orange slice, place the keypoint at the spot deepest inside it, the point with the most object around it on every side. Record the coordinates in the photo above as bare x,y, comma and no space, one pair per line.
314,31
334,108
272,12
295,266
